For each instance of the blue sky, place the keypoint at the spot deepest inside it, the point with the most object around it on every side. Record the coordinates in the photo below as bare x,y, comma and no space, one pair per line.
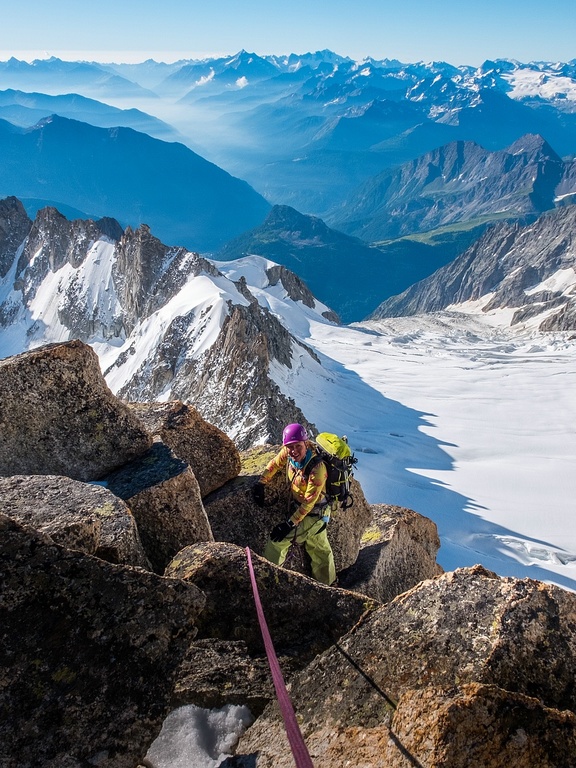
410,30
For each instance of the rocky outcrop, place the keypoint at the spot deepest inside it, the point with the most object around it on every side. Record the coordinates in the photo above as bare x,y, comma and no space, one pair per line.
211,454
147,273
506,266
75,515
89,651
235,517
164,497
398,550
471,725
232,377
54,241
58,417
515,640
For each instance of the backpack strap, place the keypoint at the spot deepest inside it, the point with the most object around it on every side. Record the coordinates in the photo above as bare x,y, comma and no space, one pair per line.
314,461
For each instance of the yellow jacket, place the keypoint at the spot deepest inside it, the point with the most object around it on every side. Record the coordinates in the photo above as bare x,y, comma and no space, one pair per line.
308,491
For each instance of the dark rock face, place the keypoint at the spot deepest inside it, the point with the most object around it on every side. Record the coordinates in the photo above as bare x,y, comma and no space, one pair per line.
14,227
148,273
57,416
215,673
90,651
211,454
164,497
75,515
226,663
508,261
306,616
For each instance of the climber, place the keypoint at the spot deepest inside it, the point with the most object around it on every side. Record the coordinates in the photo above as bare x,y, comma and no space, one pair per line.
306,523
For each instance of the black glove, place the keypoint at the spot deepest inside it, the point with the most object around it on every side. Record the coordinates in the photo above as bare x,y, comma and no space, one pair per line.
258,494
281,530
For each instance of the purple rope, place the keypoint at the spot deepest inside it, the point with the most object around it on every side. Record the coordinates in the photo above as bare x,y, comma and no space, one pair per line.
297,745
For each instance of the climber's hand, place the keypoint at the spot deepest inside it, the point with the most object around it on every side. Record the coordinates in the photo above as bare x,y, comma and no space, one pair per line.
281,530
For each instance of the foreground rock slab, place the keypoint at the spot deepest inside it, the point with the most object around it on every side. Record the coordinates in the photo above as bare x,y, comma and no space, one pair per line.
58,416
408,666
475,726
89,652
304,616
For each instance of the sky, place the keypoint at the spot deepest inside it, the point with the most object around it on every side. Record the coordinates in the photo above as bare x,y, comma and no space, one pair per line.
456,31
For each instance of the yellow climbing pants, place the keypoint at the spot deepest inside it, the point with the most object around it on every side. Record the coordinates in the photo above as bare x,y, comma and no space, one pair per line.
316,544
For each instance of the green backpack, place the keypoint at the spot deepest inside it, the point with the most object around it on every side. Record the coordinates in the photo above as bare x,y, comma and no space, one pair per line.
335,452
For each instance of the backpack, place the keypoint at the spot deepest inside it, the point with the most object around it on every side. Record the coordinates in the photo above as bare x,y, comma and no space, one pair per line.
335,452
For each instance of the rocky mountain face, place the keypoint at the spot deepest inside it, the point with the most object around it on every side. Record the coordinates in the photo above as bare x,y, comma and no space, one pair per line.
455,183
166,322
319,255
125,596
530,270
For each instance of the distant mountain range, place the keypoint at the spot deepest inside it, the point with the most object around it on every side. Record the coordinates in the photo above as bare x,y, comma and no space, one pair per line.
414,158
27,109
129,175
304,130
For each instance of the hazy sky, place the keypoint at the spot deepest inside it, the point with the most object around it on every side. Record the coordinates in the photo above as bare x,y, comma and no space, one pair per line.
459,32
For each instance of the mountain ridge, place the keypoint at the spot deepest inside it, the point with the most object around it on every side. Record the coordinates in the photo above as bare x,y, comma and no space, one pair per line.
530,270
453,183
115,172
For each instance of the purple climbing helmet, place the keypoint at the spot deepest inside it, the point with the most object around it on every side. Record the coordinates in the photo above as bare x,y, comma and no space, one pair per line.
294,433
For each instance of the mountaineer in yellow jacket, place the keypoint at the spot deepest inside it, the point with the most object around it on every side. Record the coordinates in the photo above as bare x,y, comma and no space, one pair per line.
307,523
